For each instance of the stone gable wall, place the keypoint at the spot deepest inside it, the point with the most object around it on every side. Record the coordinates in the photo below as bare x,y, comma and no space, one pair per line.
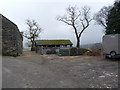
11,38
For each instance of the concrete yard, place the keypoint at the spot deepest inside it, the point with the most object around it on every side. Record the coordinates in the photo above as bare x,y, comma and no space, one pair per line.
32,70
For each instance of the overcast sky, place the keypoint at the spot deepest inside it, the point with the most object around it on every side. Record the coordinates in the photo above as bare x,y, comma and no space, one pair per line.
45,13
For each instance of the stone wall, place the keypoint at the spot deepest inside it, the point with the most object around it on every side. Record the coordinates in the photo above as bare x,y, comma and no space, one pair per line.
72,51
64,52
11,38
48,50
0,34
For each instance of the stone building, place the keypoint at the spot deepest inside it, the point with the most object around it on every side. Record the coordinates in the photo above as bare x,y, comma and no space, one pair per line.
12,39
51,46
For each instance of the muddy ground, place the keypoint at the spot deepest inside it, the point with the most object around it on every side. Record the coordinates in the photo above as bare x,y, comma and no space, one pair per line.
32,70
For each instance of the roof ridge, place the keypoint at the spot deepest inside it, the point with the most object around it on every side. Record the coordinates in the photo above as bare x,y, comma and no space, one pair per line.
54,42
51,40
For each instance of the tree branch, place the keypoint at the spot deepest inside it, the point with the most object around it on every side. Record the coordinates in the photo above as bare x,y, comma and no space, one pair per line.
73,18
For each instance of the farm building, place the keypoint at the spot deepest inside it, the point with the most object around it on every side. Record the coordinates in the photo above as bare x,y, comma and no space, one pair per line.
11,38
51,46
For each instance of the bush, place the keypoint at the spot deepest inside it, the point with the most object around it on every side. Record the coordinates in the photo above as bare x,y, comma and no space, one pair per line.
77,51
82,51
73,51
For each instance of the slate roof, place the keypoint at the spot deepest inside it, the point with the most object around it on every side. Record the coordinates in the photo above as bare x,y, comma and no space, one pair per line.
53,42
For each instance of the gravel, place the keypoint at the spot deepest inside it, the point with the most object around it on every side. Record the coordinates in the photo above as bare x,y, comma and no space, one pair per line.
32,70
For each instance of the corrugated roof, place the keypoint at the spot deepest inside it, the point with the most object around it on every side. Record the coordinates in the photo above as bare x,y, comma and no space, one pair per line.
53,42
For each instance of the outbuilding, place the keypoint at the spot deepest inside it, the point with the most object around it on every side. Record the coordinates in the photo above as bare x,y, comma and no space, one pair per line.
12,39
51,46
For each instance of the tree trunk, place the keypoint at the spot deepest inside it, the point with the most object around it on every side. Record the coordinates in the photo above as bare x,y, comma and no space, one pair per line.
78,43
32,46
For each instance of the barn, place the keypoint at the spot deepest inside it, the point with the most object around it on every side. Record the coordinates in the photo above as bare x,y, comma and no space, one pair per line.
51,46
12,39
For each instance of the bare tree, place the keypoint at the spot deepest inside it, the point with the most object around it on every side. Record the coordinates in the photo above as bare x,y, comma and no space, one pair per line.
78,19
32,32
102,15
